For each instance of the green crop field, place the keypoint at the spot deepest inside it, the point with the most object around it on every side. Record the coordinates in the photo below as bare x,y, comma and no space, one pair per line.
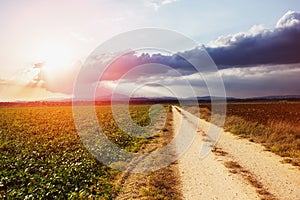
42,156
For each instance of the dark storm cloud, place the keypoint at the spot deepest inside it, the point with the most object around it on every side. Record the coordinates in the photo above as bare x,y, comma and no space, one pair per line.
154,64
278,46
258,46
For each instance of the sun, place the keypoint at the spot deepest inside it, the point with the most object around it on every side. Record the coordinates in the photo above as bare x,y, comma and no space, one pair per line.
55,57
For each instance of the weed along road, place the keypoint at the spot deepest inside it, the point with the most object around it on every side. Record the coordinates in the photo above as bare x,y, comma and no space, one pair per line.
235,169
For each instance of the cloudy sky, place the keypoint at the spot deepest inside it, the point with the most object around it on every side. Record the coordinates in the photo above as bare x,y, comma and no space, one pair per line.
255,46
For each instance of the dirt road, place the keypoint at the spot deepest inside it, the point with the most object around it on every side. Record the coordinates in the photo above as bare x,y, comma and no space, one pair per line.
236,168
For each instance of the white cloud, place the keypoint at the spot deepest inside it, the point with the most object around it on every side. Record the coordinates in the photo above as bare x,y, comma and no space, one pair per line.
224,41
291,18
258,71
14,90
156,4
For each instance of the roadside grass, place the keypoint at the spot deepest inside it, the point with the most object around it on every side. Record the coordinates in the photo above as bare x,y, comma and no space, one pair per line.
164,183
161,184
279,135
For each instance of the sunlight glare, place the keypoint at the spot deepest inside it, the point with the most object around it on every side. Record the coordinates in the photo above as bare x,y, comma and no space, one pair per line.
56,57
